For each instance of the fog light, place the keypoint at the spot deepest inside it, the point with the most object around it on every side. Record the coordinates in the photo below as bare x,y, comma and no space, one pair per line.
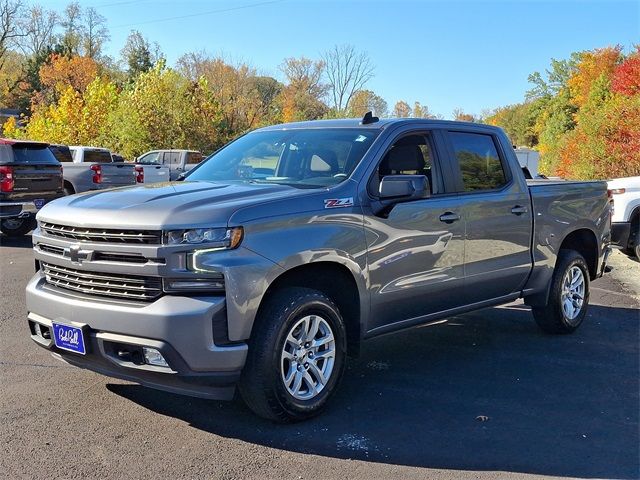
153,357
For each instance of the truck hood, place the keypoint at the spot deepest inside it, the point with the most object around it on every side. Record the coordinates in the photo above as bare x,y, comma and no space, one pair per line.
162,205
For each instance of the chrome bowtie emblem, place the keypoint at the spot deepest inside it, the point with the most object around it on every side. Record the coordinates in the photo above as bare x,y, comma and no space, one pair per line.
76,255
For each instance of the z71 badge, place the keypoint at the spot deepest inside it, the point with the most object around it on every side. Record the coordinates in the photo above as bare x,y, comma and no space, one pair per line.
338,202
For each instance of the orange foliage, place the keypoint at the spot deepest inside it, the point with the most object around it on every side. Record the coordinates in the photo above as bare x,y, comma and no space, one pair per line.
61,72
593,64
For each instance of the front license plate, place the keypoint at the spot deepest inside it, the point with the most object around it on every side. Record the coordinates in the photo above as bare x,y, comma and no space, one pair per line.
39,203
68,338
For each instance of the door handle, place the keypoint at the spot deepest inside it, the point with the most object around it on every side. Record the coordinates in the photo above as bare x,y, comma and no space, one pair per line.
449,217
519,210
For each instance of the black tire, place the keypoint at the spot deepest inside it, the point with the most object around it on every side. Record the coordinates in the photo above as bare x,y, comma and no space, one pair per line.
13,227
261,384
552,318
68,190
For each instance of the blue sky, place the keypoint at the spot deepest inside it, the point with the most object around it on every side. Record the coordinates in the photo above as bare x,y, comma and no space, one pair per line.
474,55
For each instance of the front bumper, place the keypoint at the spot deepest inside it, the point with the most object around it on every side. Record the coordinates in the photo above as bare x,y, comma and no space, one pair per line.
180,327
17,209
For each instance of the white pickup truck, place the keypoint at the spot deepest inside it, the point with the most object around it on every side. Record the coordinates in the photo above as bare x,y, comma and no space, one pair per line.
165,165
625,226
93,168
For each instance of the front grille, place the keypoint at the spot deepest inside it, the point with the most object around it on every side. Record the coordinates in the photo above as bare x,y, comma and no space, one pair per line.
148,237
119,257
131,287
51,249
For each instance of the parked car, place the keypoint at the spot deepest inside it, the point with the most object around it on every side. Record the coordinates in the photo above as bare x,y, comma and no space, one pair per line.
234,277
177,161
30,177
626,214
92,168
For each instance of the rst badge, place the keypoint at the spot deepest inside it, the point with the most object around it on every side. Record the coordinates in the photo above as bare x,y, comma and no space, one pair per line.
338,202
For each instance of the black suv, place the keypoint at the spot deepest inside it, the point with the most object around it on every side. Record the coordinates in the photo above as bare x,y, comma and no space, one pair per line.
30,176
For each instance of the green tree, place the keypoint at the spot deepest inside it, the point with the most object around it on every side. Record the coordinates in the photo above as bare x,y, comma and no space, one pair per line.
137,55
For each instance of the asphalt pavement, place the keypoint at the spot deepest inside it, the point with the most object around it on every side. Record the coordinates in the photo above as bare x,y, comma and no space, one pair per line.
483,395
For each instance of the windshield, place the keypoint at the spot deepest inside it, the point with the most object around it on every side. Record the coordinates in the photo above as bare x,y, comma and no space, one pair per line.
300,157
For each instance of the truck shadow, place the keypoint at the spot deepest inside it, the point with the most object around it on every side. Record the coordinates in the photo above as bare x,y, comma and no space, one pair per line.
484,391
15,242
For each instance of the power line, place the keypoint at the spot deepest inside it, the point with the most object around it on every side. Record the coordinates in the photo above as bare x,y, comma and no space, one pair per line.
222,10
114,4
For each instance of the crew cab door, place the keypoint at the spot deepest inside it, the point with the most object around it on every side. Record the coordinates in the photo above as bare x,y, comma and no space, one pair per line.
154,171
415,249
495,204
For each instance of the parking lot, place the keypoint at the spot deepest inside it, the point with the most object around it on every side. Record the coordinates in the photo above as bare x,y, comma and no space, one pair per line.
483,395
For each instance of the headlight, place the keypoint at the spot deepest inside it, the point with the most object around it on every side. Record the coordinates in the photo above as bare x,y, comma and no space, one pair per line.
223,238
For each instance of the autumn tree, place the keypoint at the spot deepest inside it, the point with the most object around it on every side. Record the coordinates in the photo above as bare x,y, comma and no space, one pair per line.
422,111
401,110
626,75
164,109
461,116
592,66
348,71
364,101
62,71
301,98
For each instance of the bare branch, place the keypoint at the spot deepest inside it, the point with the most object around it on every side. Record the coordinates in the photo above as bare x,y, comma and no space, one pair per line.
348,71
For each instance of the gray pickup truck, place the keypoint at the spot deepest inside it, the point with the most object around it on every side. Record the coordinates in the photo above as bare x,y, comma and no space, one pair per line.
93,168
281,253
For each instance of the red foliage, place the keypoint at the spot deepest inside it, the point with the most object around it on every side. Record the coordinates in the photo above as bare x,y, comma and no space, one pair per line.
626,76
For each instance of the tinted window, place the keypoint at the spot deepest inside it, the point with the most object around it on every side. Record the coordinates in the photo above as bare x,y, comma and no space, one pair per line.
33,154
97,156
409,155
479,162
194,157
302,157
62,153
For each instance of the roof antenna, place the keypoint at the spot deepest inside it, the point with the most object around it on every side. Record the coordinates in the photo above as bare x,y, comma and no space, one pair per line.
368,118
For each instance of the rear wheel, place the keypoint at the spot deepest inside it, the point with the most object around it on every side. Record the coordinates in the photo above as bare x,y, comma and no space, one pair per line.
568,296
296,356
17,227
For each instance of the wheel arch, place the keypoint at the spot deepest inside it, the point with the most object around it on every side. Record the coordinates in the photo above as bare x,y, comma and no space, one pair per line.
585,242
334,279
67,184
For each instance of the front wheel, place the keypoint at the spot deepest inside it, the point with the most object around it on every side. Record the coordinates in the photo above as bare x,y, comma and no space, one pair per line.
568,296
17,227
296,356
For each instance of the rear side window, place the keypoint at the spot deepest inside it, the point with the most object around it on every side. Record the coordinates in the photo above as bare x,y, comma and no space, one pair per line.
33,154
97,156
62,154
194,157
172,158
479,162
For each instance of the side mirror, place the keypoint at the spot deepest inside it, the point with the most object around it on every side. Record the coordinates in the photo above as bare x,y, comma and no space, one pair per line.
403,188
397,189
